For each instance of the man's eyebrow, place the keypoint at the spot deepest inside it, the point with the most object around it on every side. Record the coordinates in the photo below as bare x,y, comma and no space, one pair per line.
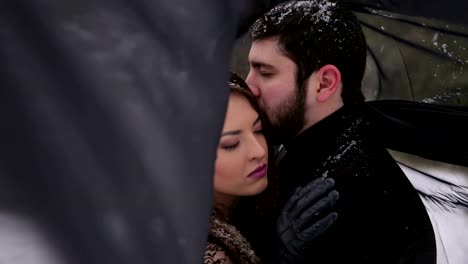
258,64
231,133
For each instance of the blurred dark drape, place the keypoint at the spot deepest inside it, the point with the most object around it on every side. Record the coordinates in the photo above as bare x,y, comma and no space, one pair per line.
111,112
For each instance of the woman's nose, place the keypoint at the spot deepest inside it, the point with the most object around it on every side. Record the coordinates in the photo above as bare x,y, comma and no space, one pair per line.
257,150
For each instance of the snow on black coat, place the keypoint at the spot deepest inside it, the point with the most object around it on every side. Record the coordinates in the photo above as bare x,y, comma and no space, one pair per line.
381,218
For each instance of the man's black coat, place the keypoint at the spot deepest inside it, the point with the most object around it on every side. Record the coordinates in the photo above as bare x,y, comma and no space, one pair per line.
381,218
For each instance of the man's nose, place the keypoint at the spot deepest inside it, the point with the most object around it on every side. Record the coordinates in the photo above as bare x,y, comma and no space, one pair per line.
250,80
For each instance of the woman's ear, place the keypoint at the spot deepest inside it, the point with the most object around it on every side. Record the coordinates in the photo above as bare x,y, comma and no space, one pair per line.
329,78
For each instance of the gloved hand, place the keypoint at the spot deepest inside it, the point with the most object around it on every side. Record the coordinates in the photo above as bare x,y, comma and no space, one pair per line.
302,219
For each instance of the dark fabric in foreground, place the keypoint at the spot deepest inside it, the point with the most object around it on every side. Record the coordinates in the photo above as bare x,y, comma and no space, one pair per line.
111,112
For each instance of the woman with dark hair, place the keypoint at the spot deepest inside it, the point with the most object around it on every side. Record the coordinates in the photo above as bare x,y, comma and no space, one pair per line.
245,193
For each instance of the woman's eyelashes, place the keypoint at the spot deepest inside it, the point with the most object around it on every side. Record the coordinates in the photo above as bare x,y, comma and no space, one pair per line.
230,146
258,129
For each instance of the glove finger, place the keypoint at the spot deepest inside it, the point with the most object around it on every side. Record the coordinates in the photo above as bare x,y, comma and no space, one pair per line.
283,224
290,204
310,193
313,232
316,210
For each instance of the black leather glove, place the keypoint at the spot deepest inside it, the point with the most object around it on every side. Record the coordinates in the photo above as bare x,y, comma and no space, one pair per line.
302,219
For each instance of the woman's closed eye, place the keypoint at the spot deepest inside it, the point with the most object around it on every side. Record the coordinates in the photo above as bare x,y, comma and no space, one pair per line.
230,146
258,131
258,128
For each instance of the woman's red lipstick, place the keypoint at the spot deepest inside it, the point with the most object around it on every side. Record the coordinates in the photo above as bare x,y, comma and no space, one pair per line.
259,172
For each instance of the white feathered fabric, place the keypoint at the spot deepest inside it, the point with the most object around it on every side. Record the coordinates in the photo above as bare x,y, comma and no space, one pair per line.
443,189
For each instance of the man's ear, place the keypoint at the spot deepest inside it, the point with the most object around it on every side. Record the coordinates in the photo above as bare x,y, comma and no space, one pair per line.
329,78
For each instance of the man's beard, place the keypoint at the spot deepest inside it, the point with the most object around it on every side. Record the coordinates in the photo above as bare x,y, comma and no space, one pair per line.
288,118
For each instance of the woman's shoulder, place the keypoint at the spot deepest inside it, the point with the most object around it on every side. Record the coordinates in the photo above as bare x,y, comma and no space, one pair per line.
215,254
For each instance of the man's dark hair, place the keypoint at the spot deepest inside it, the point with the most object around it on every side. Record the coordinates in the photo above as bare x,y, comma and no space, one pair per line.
316,33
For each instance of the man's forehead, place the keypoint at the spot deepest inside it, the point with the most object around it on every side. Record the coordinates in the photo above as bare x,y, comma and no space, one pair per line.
268,44
264,51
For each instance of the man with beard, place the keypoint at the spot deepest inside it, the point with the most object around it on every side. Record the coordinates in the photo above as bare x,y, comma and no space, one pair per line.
307,62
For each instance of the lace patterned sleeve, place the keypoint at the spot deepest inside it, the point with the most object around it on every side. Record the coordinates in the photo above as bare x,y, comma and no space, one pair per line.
215,254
